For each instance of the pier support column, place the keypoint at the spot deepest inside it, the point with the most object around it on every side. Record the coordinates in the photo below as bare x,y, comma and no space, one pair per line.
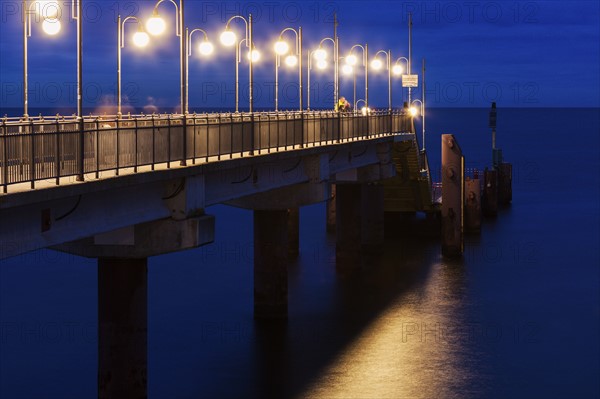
331,210
490,193
452,197
348,226
270,264
293,232
472,206
504,184
122,328
372,218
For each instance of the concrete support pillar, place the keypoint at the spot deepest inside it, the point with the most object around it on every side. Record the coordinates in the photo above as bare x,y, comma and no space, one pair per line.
348,226
122,328
490,193
270,263
331,210
504,183
372,218
472,206
452,197
293,232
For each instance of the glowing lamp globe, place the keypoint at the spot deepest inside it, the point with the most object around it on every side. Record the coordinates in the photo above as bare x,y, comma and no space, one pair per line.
51,26
141,39
413,111
364,110
156,25
206,48
320,54
48,9
347,69
254,55
351,60
397,70
291,60
228,38
321,64
281,47
377,64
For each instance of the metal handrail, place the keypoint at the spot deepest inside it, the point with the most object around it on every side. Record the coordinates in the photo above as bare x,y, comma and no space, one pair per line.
50,148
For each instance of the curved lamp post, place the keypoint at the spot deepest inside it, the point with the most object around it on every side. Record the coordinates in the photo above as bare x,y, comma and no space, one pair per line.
321,56
321,64
228,38
377,64
352,60
156,26
50,11
140,39
414,112
397,69
205,48
282,48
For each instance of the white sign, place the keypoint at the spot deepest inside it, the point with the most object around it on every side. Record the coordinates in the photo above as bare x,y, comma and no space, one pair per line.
410,80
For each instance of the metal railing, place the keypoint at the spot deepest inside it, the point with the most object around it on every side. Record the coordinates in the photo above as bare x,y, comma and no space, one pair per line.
49,149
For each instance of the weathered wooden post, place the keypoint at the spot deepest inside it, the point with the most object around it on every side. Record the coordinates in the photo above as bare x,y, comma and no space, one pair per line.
490,193
472,205
504,183
452,197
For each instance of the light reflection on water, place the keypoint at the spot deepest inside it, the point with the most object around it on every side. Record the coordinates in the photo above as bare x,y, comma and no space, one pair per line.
417,348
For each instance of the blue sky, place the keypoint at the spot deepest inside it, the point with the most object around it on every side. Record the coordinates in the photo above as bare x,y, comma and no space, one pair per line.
517,53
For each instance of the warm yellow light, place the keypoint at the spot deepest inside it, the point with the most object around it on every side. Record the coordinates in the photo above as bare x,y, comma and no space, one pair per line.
51,26
48,9
141,39
156,25
291,60
206,48
364,110
320,54
321,64
254,55
351,60
377,64
228,38
397,70
347,69
281,47
413,111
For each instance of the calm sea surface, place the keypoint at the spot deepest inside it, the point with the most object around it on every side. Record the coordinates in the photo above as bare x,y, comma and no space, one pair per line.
517,317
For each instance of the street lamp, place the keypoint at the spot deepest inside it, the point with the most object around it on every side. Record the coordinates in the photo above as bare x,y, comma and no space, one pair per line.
282,48
352,60
252,56
377,64
321,56
365,109
50,11
414,112
156,26
228,38
321,64
205,48
397,69
140,39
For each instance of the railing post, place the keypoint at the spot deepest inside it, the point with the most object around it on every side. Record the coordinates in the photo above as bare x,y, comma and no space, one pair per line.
117,147
153,143
252,132
184,124
4,157
194,139
136,146
168,141
32,155
81,165
97,150
339,135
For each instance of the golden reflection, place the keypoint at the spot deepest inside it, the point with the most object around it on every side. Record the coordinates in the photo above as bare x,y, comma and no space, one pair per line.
414,349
